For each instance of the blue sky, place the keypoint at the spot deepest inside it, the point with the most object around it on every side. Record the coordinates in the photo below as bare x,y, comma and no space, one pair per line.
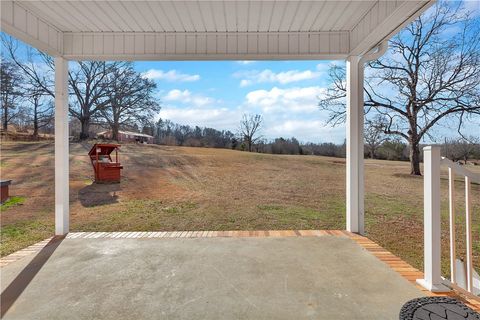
216,94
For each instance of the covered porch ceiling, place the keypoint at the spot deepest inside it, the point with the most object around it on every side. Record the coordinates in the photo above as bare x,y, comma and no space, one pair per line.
206,30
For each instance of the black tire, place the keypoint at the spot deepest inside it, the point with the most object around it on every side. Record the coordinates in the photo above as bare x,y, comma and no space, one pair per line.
436,308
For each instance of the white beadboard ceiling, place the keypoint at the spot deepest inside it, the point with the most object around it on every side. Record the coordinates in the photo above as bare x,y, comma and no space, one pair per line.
228,29
200,16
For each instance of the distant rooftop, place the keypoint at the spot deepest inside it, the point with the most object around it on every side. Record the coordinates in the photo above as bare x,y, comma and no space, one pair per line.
137,134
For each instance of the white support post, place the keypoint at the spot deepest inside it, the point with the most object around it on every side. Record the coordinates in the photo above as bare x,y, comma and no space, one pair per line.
62,196
432,238
451,209
355,118
468,231
355,144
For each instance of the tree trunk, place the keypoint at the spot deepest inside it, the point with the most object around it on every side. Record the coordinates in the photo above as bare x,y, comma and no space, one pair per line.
85,127
115,124
115,129
5,118
35,125
35,119
415,158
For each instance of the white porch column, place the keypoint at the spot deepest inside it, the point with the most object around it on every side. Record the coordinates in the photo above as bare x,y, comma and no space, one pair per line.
431,224
355,118
61,147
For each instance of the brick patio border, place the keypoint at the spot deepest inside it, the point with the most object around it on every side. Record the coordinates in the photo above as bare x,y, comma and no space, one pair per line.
34,248
205,234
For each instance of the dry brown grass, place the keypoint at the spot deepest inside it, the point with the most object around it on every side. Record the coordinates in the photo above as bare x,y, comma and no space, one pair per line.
179,188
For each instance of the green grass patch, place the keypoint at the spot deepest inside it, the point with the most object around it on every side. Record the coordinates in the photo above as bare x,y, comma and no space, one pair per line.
389,205
22,234
4,164
269,207
141,215
329,216
12,201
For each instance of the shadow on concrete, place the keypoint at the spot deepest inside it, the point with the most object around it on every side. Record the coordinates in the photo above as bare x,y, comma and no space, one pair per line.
99,194
20,283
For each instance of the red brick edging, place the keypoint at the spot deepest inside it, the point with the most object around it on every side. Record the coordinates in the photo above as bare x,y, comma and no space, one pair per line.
17,255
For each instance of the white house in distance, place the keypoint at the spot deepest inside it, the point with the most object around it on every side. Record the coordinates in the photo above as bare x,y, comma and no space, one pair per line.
127,136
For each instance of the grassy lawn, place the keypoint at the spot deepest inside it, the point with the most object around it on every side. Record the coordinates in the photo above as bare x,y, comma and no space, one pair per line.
179,188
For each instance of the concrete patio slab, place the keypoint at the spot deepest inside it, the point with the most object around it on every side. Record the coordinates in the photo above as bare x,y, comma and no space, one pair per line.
322,277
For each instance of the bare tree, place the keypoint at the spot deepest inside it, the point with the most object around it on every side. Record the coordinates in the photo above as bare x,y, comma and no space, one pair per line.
89,85
35,66
374,135
129,99
87,81
428,77
10,91
463,148
249,128
41,112
37,71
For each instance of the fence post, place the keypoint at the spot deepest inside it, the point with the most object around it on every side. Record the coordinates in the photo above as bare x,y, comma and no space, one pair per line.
431,222
468,231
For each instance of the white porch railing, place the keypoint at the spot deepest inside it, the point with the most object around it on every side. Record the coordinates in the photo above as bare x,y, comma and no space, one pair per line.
433,280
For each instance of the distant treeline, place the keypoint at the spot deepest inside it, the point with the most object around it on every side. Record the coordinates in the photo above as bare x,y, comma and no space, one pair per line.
388,150
169,133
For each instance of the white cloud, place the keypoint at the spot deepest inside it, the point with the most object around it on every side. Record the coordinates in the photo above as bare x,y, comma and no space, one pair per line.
245,82
186,107
171,76
307,131
218,118
187,97
293,112
285,77
246,62
177,95
296,100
